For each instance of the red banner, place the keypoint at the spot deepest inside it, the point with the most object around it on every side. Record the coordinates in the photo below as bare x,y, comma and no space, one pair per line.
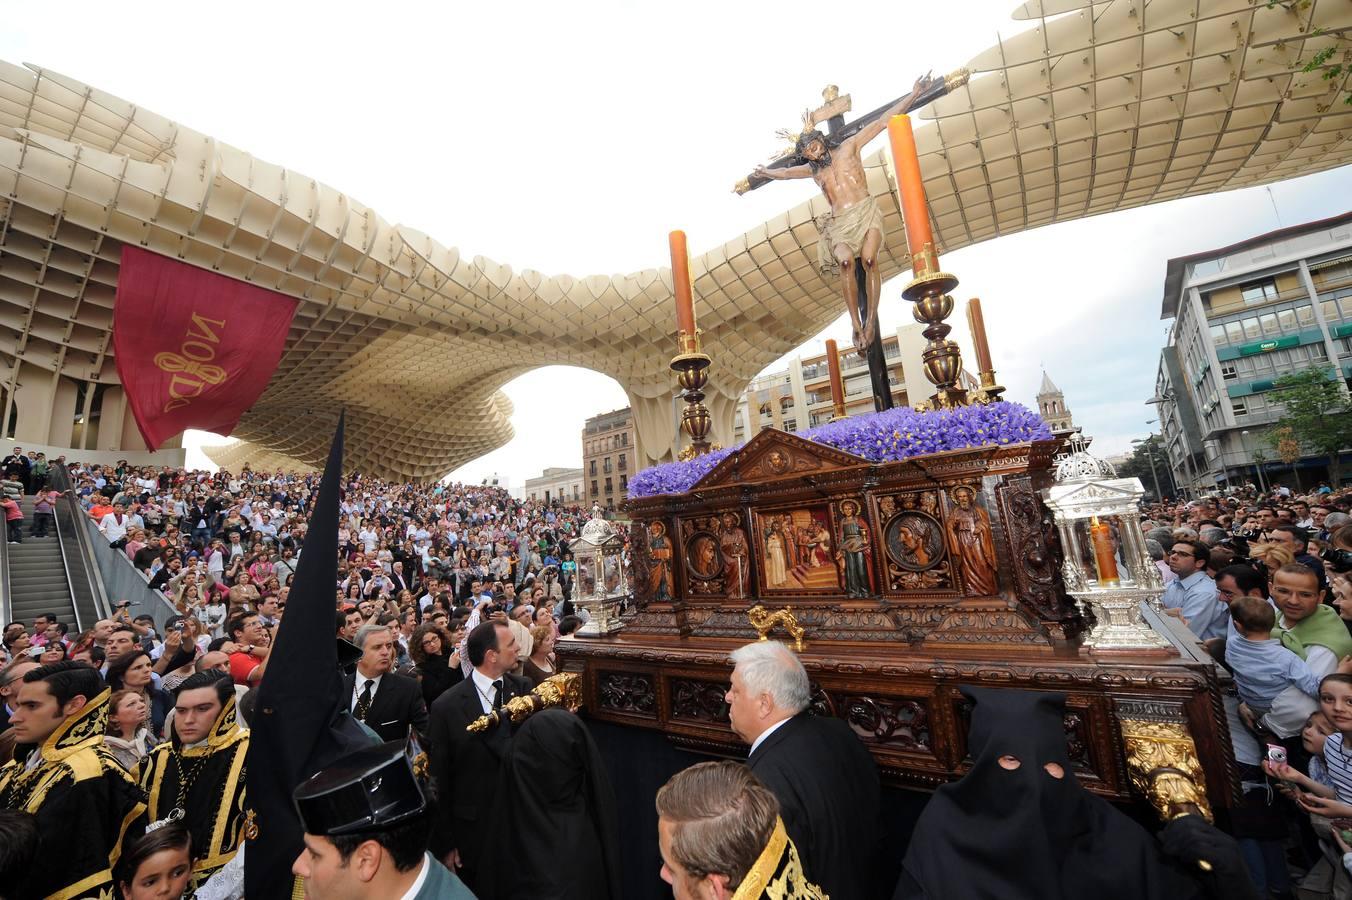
194,349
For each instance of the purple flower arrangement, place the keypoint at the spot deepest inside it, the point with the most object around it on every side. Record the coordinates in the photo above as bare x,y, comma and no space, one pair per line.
880,437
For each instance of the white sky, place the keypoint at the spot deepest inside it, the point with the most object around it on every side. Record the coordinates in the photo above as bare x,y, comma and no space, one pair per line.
571,137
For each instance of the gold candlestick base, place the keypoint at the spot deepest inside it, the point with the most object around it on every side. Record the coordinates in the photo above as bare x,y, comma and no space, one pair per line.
690,364
931,294
989,392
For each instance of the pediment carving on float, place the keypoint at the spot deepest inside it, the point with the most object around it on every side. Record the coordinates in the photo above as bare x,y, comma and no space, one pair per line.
774,454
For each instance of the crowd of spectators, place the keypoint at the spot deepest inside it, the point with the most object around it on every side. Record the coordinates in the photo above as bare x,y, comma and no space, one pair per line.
425,562
1265,581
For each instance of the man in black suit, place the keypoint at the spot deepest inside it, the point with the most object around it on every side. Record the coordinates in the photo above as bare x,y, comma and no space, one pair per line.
821,773
387,702
465,765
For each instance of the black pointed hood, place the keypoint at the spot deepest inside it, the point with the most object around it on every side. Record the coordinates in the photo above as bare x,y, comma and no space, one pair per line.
301,721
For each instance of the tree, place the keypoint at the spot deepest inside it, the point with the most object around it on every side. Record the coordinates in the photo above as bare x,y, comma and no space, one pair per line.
1318,415
1139,467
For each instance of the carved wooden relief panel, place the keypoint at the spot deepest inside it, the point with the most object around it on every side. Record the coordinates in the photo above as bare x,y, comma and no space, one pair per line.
914,542
796,549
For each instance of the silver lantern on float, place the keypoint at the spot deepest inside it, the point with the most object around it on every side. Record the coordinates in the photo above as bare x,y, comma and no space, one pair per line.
1106,565
600,584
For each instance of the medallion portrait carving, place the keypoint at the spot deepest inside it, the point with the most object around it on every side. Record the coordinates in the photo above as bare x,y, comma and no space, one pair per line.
796,549
703,557
914,541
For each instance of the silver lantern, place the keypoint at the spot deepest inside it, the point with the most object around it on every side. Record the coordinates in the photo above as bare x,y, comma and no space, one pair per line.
1106,565
600,584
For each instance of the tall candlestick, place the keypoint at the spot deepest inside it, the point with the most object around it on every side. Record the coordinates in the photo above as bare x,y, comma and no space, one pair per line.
1101,533
837,386
680,283
977,323
910,187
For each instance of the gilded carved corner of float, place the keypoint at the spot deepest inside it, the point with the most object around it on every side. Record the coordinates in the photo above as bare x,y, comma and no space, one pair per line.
1163,765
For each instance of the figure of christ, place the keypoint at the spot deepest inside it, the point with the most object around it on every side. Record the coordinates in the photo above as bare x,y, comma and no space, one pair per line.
853,233
775,571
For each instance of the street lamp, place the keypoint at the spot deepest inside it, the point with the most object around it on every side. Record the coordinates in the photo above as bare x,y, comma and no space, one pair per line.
1244,437
1150,455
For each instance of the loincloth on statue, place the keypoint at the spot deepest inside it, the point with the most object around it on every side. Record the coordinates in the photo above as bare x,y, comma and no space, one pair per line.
849,227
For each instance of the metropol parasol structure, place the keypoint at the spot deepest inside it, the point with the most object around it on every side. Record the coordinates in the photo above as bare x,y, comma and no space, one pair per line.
1097,108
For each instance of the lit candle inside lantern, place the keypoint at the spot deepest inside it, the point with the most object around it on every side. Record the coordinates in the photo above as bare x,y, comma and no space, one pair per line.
1102,536
977,324
837,386
680,283
914,209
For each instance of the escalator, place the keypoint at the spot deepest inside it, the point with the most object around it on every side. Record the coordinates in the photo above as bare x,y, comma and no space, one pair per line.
37,577
55,574
73,573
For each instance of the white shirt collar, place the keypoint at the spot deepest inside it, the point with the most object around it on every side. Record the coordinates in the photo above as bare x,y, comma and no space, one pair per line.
765,734
419,881
359,682
486,689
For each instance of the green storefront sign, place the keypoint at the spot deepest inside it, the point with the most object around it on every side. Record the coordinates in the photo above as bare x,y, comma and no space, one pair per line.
1269,346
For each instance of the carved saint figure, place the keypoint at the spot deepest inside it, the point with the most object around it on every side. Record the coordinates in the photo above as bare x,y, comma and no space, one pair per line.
854,228
659,551
736,572
853,547
971,543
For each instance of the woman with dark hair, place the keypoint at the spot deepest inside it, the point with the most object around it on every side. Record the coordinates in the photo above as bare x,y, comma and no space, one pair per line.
53,652
155,865
132,671
437,656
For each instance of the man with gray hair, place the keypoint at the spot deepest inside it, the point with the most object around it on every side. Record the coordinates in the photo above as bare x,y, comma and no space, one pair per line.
387,702
816,766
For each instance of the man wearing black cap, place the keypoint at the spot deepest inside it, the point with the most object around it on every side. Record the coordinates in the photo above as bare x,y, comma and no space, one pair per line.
367,827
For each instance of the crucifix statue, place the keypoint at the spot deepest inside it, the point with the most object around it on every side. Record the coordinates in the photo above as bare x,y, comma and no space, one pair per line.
850,236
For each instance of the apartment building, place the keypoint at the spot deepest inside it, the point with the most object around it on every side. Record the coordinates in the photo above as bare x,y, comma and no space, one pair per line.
1244,316
608,457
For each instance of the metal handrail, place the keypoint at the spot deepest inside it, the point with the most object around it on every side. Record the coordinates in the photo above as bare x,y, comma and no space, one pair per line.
127,583
65,568
68,512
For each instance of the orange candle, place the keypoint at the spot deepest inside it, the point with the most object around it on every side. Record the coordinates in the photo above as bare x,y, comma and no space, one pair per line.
837,386
1102,535
914,209
977,324
680,282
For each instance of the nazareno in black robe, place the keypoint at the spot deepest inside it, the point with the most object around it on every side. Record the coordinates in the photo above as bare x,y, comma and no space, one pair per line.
1025,835
554,832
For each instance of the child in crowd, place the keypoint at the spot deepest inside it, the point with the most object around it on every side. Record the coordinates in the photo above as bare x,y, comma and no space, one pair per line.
1330,799
1312,737
1263,668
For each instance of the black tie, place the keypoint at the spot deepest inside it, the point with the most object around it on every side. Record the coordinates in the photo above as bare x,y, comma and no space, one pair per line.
363,702
497,698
